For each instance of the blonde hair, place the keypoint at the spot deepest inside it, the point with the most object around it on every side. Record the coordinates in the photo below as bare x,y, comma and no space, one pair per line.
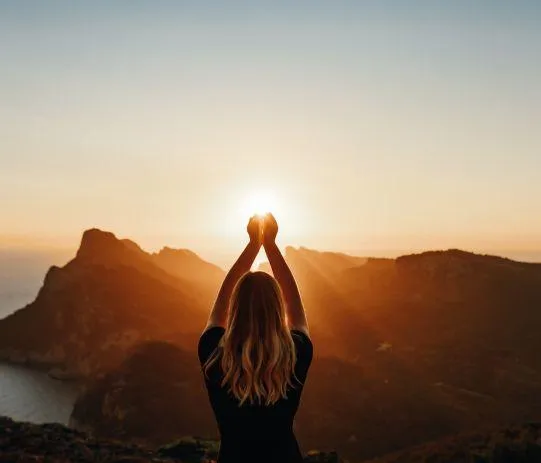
257,354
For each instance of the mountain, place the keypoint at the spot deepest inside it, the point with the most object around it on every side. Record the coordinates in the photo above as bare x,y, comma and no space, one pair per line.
154,396
407,350
324,262
318,275
438,342
111,296
185,264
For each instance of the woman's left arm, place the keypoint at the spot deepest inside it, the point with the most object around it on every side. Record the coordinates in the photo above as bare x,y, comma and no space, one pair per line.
218,315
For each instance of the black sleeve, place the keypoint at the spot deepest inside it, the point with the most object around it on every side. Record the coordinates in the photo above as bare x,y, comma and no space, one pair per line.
305,352
208,342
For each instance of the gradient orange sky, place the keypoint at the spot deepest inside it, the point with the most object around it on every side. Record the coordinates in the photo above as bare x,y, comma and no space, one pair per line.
374,126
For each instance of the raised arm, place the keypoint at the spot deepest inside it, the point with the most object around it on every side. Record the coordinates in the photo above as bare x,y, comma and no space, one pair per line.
292,298
218,315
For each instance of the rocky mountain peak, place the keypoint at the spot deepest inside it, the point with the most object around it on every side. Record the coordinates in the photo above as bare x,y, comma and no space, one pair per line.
97,244
104,248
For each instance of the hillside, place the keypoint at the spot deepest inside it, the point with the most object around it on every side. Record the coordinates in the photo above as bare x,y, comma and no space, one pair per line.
110,297
155,396
437,343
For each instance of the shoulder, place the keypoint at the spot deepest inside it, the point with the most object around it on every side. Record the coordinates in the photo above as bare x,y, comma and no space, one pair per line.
209,341
303,343
304,352
300,336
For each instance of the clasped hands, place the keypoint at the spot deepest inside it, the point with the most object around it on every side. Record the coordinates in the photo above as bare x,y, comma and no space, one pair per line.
262,229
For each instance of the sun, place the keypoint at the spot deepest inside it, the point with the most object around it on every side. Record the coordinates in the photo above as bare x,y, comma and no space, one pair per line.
260,203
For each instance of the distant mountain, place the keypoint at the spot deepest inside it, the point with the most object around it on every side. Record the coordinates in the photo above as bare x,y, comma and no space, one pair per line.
187,265
318,275
324,262
111,296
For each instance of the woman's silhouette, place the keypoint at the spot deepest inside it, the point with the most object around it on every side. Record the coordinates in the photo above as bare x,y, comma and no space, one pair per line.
255,353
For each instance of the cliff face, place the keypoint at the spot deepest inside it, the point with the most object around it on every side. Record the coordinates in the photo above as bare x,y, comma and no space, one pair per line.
110,297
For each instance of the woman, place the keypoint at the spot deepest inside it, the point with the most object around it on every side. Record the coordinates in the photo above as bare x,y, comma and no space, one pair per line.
255,353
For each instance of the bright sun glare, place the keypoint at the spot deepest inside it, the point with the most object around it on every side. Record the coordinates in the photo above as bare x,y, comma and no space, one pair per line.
260,203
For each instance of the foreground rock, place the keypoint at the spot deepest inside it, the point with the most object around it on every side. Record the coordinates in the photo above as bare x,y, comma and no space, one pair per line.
54,443
516,444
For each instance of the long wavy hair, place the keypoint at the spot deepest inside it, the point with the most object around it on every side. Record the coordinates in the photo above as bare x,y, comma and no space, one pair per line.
256,353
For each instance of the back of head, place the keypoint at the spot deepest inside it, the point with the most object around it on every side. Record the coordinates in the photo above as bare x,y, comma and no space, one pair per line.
257,354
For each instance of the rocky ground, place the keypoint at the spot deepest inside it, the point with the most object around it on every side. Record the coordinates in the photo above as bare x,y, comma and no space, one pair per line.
514,444
54,443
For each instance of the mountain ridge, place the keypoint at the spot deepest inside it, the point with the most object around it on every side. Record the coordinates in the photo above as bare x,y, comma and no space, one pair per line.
407,350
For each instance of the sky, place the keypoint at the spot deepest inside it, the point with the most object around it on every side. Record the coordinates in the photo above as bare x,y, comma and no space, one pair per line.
372,125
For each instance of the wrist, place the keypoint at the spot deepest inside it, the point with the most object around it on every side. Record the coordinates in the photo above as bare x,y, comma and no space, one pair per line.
270,244
254,244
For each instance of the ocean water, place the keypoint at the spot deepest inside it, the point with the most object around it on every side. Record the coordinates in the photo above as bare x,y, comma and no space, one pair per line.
12,301
27,394
31,395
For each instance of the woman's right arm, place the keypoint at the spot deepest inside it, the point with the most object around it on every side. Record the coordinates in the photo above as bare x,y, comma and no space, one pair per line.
292,298
218,315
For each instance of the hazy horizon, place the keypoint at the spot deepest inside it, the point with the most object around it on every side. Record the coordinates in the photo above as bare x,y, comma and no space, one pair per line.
370,125
60,254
